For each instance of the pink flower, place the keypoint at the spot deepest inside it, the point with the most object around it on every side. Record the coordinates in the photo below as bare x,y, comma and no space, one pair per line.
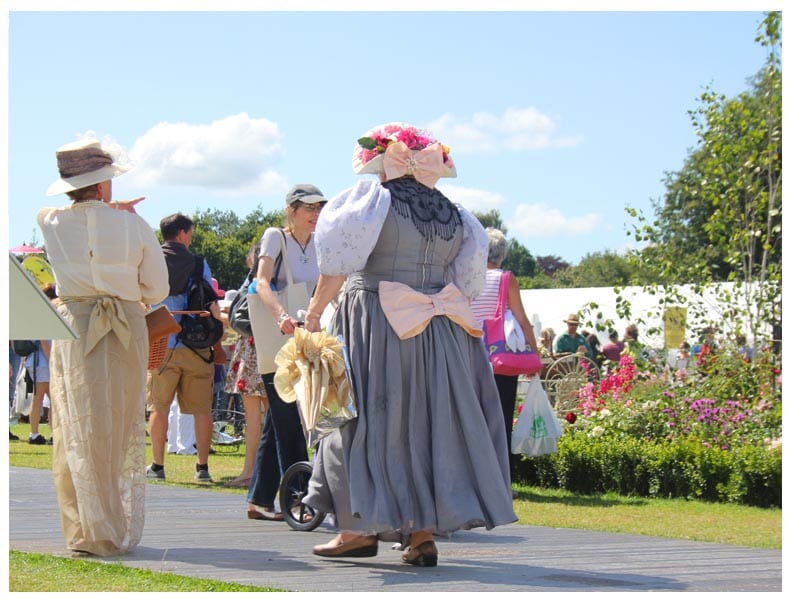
377,142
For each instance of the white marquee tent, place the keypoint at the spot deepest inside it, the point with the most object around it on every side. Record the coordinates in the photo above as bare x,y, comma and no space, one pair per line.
550,307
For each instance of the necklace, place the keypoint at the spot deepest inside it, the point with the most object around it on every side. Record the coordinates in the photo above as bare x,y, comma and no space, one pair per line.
303,259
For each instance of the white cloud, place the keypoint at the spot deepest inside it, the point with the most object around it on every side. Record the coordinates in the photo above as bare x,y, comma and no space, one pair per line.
472,199
532,221
516,129
233,155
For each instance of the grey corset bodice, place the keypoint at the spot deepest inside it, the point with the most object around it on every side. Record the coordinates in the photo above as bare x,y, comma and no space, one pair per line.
404,254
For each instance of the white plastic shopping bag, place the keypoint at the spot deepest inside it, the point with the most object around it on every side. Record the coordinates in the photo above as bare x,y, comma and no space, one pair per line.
537,429
22,400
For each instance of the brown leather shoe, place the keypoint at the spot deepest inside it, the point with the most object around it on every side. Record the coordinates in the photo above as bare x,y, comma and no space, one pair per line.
359,547
424,555
266,514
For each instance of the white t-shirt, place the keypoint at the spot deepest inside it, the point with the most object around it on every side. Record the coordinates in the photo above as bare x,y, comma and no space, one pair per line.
303,261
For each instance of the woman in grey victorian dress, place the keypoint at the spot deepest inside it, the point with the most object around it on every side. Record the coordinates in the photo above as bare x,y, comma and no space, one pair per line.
427,454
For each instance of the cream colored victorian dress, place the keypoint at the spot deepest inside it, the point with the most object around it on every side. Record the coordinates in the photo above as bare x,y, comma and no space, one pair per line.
107,265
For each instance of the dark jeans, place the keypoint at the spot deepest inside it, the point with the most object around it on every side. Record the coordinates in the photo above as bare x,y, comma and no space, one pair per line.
282,444
507,386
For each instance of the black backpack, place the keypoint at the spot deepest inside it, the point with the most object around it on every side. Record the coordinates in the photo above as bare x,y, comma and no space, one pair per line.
199,333
24,347
239,311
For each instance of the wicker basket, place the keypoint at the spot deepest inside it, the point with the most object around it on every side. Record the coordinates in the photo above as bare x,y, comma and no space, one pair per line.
160,324
157,350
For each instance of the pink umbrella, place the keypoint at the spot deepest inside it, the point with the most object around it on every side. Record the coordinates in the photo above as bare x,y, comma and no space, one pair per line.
25,249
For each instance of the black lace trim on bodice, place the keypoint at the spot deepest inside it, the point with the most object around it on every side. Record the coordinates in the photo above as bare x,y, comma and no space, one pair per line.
430,210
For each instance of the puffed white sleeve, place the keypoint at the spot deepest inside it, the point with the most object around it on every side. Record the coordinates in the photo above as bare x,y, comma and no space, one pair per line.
468,270
349,227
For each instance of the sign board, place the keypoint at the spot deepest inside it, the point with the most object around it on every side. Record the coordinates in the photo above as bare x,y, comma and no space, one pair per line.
31,315
674,326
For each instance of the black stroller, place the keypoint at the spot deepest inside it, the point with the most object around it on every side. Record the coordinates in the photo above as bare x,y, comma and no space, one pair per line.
293,488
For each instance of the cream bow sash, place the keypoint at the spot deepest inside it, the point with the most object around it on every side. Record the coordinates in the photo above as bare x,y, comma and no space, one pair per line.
425,165
409,311
107,315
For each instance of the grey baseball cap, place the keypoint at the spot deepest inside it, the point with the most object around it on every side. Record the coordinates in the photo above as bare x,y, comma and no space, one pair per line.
304,192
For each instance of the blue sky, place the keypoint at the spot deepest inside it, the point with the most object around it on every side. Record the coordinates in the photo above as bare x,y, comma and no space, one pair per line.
557,119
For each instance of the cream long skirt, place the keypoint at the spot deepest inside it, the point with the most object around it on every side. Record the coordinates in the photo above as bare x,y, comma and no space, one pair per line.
98,425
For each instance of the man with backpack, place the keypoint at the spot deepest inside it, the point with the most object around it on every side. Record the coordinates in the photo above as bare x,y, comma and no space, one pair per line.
188,369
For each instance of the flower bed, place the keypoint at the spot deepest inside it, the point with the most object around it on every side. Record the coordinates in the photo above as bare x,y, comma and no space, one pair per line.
712,434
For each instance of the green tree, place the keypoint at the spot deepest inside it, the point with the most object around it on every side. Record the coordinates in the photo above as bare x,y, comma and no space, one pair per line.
720,218
492,218
519,260
598,269
224,239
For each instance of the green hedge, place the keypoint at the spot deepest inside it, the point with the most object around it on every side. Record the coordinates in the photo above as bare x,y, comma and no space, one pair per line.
678,469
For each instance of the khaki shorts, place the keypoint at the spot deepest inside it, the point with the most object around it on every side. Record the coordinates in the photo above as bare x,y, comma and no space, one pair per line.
185,375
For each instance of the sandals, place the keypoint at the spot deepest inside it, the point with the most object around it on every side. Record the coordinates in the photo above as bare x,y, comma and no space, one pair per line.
239,483
424,555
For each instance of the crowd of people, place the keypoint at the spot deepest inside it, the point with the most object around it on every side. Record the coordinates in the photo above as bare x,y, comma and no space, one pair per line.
378,251
407,238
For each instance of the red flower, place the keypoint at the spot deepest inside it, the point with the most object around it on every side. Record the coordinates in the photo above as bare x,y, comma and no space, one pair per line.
236,365
570,417
381,143
250,341
241,385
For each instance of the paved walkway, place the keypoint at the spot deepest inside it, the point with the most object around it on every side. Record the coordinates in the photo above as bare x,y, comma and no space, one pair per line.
203,533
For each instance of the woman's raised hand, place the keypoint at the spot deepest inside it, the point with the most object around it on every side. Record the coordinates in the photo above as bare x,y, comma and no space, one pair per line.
127,205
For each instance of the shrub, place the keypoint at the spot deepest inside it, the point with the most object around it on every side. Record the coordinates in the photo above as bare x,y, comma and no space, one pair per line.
659,469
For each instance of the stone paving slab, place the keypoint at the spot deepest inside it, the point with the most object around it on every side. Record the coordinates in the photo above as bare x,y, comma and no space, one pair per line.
204,533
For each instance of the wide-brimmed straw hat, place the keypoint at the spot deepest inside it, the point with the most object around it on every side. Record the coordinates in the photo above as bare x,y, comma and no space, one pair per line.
368,156
572,318
83,163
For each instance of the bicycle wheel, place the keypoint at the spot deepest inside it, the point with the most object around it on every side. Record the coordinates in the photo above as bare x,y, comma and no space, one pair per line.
227,433
293,488
565,377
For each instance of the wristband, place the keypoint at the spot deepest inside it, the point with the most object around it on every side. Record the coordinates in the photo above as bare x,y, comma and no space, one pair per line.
310,314
282,318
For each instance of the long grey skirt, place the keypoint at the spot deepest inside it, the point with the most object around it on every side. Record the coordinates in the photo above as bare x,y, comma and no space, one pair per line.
428,449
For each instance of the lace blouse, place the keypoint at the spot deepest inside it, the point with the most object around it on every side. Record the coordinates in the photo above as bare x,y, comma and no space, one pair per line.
350,225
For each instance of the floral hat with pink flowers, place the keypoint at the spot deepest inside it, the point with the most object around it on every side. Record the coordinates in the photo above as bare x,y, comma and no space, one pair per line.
397,149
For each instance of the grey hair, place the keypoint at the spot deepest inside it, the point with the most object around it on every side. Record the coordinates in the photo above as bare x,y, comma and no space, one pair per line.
497,246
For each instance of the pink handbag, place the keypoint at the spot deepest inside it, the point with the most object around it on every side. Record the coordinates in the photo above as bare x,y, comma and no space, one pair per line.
505,360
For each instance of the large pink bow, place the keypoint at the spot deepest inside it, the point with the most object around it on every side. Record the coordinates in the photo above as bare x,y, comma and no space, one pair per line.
425,165
409,311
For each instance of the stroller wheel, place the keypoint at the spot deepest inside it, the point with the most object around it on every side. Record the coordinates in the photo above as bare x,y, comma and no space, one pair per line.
293,488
